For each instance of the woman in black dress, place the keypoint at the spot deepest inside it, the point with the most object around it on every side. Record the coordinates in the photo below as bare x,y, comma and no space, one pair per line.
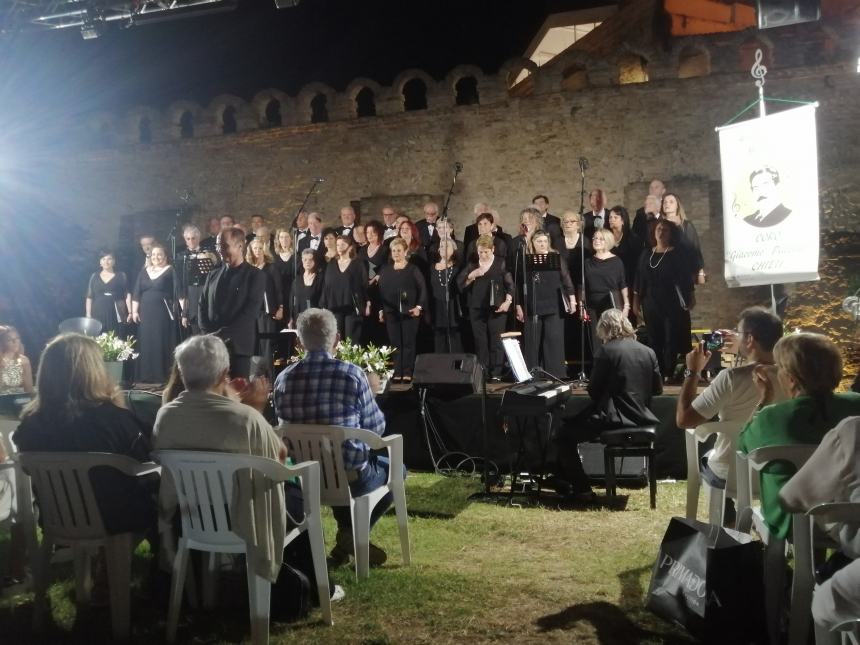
152,308
664,286
628,247
673,210
404,297
374,254
550,297
272,310
307,287
345,290
285,262
489,291
446,310
108,298
605,282
408,232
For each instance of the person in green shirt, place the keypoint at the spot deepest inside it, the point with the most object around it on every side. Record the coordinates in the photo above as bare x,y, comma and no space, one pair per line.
809,368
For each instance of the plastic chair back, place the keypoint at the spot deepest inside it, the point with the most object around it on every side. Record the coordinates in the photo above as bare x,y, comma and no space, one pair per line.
81,325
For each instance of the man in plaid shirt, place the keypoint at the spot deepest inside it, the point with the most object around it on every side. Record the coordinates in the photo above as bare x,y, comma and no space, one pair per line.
322,389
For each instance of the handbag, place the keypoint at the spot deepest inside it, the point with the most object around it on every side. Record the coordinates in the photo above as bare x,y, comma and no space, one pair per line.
709,580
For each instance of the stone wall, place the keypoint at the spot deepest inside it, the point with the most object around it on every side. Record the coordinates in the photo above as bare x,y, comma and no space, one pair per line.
514,143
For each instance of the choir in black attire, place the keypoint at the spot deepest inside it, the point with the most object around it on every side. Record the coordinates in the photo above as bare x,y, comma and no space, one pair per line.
157,328
344,293
108,306
400,291
445,310
306,296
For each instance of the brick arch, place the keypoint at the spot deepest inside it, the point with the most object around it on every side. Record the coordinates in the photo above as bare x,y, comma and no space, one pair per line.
135,120
174,114
631,65
510,70
307,94
462,72
692,58
358,85
407,75
217,106
260,105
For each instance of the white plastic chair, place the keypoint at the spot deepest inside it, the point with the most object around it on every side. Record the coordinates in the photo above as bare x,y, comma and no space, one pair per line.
748,467
849,632
204,490
22,504
70,516
716,496
323,443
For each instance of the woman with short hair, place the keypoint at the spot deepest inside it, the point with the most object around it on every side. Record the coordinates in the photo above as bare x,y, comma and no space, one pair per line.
809,368
605,282
307,286
489,289
108,299
152,307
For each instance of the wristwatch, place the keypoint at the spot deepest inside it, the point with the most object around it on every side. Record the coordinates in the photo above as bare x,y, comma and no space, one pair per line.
688,372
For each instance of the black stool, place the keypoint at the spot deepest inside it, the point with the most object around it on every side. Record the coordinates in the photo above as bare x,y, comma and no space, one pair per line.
629,442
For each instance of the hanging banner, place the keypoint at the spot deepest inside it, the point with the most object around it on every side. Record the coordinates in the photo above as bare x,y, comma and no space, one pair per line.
770,198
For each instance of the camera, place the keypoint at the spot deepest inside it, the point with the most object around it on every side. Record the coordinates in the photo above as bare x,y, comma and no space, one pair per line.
713,341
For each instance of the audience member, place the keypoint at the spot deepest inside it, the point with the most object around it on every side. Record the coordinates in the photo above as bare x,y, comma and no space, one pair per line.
320,389
16,374
731,395
809,368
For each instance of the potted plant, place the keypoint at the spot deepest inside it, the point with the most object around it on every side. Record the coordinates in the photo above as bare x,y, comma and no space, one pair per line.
115,351
372,359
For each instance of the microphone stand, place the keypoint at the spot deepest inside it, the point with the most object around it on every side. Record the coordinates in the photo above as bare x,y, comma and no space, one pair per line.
581,379
316,182
458,167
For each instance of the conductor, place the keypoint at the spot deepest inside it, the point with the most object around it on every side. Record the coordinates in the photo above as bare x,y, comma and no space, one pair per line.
231,298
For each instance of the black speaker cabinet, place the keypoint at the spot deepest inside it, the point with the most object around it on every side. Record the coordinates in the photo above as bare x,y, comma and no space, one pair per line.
779,13
454,374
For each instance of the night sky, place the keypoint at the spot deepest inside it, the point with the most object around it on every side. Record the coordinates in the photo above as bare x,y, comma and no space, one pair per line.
257,46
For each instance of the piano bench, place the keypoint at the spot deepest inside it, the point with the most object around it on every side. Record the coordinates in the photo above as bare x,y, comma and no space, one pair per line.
629,442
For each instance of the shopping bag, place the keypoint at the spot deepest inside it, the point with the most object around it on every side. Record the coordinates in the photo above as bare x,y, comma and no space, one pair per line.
708,579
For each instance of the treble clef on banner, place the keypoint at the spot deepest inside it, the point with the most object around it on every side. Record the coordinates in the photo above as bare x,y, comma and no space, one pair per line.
758,70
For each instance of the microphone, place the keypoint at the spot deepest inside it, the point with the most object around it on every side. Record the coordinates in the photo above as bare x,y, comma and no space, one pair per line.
458,167
319,180
583,163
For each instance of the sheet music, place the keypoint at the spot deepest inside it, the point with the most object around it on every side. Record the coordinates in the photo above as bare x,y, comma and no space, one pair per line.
515,357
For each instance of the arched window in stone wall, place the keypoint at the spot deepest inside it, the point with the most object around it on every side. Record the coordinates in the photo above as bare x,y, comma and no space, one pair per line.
746,54
365,103
574,77
273,114
319,108
466,91
144,130
414,95
186,125
693,62
228,120
632,68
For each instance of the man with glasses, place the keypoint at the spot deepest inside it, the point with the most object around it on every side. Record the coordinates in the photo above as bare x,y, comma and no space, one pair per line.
731,395
427,226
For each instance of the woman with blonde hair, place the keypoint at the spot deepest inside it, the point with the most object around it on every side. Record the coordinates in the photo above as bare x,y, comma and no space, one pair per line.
16,374
673,210
153,308
605,282
78,409
285,263
809,368
272,310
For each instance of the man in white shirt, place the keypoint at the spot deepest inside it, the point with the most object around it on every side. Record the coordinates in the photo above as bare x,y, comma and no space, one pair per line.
389,216
347,220
731,395
313,239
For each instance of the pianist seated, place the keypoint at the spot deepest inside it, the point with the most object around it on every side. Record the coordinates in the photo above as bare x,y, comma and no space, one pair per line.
623,379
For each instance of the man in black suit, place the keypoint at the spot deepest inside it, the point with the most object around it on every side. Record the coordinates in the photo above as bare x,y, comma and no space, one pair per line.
470,233
427,226
230,301
190,277
771,211
623,379
649,211
313,239
551,223
211,242
347,221
598,216
389,217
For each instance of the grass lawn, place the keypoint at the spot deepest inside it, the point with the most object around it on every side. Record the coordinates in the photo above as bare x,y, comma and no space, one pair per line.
481,571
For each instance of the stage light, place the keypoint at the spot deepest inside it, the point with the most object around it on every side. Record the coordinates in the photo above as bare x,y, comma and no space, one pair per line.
92,29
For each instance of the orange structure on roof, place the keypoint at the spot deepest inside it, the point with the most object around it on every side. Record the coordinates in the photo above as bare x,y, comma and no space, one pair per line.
693,17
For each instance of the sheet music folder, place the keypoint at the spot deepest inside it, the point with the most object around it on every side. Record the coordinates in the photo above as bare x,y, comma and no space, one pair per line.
543,262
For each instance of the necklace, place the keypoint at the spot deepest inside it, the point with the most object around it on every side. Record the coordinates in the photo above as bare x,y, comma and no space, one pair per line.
444,276
653,251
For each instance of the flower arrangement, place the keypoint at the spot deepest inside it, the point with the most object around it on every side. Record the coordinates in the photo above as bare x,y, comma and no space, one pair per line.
370,358
115,348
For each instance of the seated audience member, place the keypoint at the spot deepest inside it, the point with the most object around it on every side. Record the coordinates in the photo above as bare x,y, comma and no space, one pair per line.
16,375
832,475
320,389
809,368
731,395
624,378
78,409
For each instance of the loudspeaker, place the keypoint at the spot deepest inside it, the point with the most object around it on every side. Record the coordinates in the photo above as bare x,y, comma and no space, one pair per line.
458,374
779,13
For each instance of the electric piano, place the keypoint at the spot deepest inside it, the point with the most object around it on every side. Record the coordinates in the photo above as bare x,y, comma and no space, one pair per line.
534,397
